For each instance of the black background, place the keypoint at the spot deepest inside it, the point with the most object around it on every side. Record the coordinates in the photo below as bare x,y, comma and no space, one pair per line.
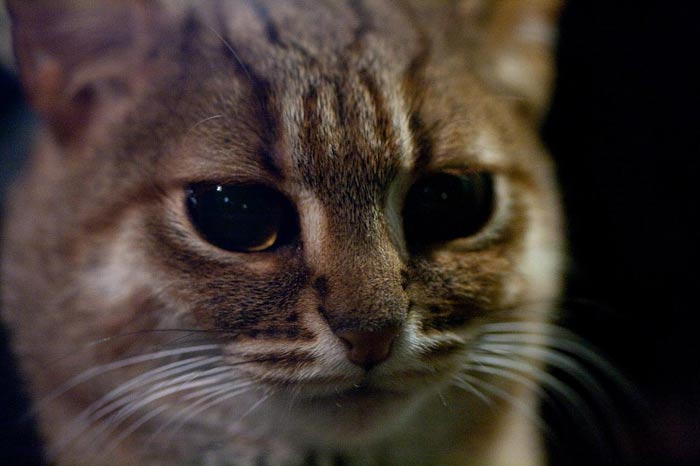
624,132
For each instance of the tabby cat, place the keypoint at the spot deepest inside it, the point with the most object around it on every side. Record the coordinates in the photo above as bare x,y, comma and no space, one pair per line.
284,232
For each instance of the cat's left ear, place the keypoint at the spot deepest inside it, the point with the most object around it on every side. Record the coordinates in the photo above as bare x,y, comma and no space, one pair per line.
77,58
516,41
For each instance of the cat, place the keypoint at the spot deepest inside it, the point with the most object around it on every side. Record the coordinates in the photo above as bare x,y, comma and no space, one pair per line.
285,232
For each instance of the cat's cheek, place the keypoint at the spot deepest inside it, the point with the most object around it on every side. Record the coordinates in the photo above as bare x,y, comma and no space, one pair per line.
452,288
537,278
117,286
240,305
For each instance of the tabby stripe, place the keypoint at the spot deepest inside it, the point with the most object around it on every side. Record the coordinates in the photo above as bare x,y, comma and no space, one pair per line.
308,135
273,35
262,92
190,30
422,141
289,359
339,91
414,88
414,85
384,124
364,19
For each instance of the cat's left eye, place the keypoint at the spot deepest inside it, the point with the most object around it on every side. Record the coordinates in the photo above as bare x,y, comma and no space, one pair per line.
444,206
242,218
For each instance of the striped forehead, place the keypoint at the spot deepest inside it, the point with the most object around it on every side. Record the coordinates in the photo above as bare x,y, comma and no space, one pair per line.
337,114
351,139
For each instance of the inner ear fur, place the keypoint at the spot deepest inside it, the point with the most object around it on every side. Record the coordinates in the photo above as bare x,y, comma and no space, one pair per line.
515,42
75,55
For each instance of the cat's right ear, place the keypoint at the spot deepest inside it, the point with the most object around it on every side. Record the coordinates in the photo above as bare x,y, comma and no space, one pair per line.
77,58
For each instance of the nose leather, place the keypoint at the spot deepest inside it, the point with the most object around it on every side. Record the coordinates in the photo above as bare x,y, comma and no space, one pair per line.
368,348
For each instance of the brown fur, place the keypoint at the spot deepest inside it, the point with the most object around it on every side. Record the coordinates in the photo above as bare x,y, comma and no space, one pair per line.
340,106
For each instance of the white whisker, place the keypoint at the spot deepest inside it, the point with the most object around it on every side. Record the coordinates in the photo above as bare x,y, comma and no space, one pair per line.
529,412
562,362
146,378
564,340
133,427
204,403
558,387
137,402
204,120
97,409
102,369
461,382
125,400
491,369
212,400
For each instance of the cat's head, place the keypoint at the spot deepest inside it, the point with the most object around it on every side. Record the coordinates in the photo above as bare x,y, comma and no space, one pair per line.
334,201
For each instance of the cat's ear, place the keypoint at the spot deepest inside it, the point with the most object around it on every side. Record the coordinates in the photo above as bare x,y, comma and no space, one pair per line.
516,41
77,56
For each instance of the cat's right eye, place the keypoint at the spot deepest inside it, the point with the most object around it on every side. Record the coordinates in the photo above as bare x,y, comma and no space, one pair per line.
242,218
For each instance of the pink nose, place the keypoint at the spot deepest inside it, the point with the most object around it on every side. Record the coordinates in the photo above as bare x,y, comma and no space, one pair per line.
367,349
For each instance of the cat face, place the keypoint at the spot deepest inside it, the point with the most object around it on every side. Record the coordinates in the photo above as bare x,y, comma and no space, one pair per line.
315,208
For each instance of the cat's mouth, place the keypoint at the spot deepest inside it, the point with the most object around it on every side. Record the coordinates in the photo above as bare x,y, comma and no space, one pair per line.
362,391
363,397
367,391
345,388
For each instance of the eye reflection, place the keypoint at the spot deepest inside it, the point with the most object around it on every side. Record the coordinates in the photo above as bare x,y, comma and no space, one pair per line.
242,218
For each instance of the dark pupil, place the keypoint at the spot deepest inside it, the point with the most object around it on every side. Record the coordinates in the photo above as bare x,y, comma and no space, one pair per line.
443,207
240,217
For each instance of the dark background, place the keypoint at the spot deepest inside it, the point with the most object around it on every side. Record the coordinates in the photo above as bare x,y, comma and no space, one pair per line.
624,132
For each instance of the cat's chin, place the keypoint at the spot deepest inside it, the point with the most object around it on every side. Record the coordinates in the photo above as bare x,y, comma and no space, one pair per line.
353,416
362,398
